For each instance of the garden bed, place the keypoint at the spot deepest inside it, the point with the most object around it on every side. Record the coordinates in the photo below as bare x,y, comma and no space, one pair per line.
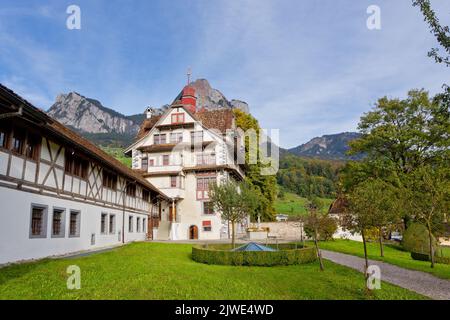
222,254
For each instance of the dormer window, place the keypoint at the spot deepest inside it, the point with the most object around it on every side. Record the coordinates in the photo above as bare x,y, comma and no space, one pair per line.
177,118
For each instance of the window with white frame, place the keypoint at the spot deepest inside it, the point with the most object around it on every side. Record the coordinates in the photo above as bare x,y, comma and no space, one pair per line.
208,208
203,183
206,158
159,138
176,137
177,118
144,164
173,181
166,160
196,137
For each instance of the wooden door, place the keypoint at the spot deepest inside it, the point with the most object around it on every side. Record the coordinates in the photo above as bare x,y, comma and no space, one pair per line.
193,232
172,214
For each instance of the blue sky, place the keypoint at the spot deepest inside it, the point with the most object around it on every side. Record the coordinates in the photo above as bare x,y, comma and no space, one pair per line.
306,67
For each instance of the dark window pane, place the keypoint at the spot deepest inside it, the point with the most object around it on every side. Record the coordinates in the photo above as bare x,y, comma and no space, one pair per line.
57,222
37,217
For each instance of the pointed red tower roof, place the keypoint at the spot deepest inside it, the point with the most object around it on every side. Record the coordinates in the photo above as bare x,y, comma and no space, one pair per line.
189,99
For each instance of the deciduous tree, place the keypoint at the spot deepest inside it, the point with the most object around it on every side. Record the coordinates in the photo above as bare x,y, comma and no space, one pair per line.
428,199
313,223
235,201
265,184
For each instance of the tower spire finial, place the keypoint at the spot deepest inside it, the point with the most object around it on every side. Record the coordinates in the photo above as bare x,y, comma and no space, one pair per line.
189,73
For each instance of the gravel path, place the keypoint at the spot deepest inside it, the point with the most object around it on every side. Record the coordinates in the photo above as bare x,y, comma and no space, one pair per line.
420,282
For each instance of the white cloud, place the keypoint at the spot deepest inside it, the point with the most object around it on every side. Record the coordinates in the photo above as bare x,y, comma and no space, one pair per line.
308,68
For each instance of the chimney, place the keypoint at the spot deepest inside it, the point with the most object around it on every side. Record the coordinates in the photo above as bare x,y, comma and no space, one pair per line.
148,112
188,98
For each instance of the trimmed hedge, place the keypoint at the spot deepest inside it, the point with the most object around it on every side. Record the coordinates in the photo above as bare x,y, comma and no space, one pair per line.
221,254
420,256
426,257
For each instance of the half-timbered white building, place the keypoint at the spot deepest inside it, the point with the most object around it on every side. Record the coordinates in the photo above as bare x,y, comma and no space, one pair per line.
181,152
59,193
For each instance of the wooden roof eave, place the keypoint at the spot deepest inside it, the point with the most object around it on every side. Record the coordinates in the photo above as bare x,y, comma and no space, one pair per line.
175,125
47,123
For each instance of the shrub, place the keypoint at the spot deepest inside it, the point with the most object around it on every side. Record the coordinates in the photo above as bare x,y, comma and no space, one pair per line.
416,239
326,229
212,255
372,234
426,257
420,256
444,260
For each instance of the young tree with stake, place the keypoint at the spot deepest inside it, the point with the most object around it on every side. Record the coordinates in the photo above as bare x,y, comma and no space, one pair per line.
234,201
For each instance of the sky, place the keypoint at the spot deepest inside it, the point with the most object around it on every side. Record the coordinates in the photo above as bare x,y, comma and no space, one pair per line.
306,67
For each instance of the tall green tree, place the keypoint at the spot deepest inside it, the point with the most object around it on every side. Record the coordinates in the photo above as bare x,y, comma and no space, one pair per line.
441,32
405,133
313,222
428,199
399,136
385,207
264,185
372,204
361,212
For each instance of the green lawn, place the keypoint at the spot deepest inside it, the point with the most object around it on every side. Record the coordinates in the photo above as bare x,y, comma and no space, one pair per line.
294,205
118,154
392,254
165,271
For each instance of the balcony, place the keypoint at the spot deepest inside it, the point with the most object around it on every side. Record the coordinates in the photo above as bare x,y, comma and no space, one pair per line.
160,147
205,160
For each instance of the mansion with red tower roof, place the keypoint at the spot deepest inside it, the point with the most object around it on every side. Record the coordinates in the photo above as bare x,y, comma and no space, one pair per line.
181,152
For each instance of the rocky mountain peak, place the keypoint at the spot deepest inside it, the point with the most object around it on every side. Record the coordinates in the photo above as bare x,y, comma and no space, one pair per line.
210,98
89,115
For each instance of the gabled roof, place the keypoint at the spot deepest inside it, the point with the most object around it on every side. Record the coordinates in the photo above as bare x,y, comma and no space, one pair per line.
219,119
338,206
73,138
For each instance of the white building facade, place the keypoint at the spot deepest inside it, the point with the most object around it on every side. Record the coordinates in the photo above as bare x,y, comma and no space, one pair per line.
181,152
59,193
